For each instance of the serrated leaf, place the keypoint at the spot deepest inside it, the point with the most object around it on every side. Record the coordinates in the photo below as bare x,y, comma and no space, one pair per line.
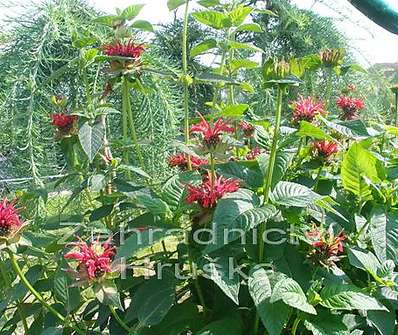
203,47
292,194
341,296
106,292
131,12
154,299
326,324
245,46
230,326
142,25
174,4
259,286
364,260
239,15
282,162
233,111
358,163
383,232
253,27
352,129
218,270
69,296
307,129
290,292
91,138
212,18
237,64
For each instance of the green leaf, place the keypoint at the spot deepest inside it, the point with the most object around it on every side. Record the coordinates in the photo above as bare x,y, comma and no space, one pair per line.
143,25
237,64
274,316
131,12
259,286
230,326
106,292
69,296
245,46
326,324
340,296
307,129
174,4
91,138
213,19
106,20
215,78
383,321
203,47
154,205
281,164
253,27
358,163
101,212
292,194
218,270
235,214
364,260
239,15
140,240
352,129
233,111
290,292
154,299
383,231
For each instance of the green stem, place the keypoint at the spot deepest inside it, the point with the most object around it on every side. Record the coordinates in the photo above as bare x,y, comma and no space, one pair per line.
195,279
129,120
212,169
19,307
268,180
329,87
396,109
36,294
318,177
120,321
295,325
185,79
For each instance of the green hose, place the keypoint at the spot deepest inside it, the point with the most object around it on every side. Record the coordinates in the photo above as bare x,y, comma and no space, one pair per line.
382,12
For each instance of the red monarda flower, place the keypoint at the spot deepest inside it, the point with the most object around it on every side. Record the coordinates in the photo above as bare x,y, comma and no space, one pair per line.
327,246
247,128
324,149
9,218
208,193
63,121
94,259
350,107
127,49
253,154
181,161
306,109
211,134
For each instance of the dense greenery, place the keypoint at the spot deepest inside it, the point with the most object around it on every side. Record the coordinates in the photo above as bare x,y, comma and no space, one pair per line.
255,193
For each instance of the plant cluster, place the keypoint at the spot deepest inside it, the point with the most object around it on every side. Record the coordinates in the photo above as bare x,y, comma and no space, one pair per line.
267,225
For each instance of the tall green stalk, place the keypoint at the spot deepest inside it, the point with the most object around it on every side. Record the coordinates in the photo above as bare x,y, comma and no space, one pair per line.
185,77
268,180
128,121
396,109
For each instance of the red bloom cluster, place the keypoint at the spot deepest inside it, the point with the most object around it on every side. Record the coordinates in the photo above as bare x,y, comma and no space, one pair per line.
306,109
120,49
253,154
9,218
63,121
208,193
327,246
247,128
211,134
94,260
324,149
181,161
350,107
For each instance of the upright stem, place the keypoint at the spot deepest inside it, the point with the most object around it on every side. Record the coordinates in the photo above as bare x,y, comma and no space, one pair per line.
268,182
318,177
120,321
295,325
396,109
329,87
36,294
212,169
129,120
185,80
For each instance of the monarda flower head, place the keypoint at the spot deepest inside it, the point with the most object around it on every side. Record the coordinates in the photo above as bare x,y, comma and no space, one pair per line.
211,134
350,107
332,57
247,128
63,121
253,154
324,149
129,50
94,260
306,109
209,192
10,222
181,161
326,246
